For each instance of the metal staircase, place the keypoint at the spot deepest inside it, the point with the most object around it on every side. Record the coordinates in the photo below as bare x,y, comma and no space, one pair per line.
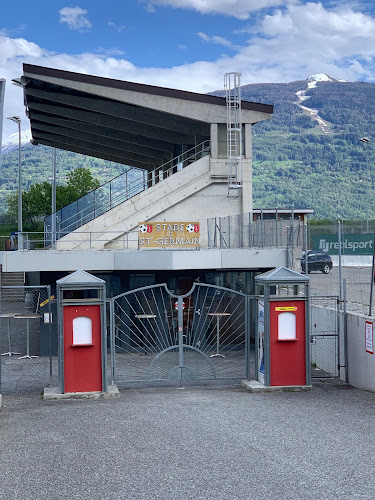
232,86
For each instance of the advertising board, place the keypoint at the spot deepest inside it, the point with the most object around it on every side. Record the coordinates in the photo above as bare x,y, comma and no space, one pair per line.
351,244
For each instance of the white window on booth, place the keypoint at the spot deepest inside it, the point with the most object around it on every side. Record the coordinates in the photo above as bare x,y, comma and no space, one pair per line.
82,330
287,326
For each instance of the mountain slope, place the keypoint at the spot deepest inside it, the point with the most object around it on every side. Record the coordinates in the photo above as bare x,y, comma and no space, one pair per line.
308,155
299,161
11,142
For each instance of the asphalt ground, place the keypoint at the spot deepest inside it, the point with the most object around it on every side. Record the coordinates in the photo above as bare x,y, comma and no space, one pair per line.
192,443
358,284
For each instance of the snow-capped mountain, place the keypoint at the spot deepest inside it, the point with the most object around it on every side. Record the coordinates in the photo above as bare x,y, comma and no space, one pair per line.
320,77
11,142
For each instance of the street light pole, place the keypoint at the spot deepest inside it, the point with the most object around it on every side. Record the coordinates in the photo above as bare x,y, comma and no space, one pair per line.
366,140
53,217
17,120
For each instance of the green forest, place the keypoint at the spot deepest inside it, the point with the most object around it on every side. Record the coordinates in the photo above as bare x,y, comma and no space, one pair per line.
295,163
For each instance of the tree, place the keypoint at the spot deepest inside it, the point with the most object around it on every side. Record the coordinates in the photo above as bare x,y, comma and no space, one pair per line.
37,201
80,182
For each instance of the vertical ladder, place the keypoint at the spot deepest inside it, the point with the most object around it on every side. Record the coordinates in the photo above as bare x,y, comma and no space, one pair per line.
232,86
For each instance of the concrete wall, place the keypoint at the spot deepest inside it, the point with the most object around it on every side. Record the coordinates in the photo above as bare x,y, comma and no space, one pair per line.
361,363
186,108
102,260
353,260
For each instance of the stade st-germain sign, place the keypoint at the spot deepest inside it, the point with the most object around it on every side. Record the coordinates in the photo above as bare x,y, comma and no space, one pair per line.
168,235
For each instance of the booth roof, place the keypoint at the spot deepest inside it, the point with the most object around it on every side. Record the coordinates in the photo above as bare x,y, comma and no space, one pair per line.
80,277
282,274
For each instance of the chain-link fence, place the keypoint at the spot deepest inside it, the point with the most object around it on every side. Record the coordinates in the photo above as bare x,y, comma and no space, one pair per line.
242,231
360,226
27,339
324,337
358,286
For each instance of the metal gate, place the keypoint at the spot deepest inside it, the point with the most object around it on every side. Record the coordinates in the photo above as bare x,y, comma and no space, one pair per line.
157,336
325,336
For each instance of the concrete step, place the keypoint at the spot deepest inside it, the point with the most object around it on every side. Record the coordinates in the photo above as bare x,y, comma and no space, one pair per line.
147,205
16,279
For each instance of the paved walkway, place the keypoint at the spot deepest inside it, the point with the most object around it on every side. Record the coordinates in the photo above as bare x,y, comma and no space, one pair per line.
192,443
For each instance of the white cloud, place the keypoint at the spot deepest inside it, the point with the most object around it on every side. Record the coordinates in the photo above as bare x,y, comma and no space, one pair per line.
288,45
110,52
75,18
312,39
217,40
116,27
236,8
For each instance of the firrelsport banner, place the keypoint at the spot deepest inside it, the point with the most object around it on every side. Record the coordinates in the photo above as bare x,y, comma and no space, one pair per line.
351,244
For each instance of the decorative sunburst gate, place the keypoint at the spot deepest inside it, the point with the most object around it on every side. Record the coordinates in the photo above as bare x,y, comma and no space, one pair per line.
159,336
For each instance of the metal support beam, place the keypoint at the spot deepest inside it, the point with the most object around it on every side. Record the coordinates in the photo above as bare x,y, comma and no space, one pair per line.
109,134
113,123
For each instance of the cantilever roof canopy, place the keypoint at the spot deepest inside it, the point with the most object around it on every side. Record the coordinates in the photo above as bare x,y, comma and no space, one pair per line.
130,123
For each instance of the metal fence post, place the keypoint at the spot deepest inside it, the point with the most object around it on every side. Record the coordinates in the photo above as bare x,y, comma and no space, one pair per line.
180,336
239,231
372,274
112,339
49,295
251,236
340,270
229,232
276,218
247,337
346,356
292,235
0,331
306,252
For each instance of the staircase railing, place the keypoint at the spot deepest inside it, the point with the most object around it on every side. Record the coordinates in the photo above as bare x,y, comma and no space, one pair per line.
116,191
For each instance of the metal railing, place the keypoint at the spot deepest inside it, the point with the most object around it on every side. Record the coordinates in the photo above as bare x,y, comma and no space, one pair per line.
116,191
87,240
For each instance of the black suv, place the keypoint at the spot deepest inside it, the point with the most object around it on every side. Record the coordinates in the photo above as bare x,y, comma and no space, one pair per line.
317,261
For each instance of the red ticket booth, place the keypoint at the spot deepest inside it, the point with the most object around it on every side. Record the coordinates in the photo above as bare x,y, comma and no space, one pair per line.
82,333
283,336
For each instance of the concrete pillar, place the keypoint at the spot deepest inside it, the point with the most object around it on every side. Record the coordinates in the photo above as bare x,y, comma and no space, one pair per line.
158,175
214,141
149,179
247,172
248,141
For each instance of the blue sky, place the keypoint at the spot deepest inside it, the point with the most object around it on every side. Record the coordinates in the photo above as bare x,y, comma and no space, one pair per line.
186,44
